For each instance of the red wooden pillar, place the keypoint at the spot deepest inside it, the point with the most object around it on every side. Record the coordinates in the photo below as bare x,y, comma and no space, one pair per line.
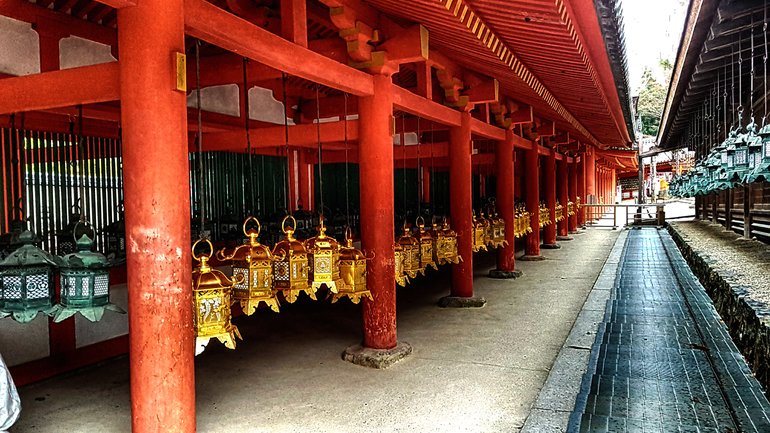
461,206
304,182
61,336
549,231
375,153
161,336
590,176
532,199
572,187
425,184
581,190
506,260
561,177
293,179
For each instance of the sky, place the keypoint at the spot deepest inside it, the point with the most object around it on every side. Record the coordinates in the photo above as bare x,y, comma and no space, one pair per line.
653,29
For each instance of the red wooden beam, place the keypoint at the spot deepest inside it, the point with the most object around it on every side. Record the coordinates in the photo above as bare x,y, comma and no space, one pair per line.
208,22
117,4
84,85
304,135
69,25
486,130
415,104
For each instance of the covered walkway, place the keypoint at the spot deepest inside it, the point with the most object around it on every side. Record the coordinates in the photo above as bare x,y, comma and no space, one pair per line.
471,371
663,360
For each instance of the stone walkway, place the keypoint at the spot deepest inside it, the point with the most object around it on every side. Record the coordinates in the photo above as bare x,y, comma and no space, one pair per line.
662,360
471,371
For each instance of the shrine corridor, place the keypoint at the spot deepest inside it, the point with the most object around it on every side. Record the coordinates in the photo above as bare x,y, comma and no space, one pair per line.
662,359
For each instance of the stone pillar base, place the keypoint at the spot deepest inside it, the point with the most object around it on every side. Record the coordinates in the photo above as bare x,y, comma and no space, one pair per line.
376,358
564,238
461,302
531,258
502,275
550,246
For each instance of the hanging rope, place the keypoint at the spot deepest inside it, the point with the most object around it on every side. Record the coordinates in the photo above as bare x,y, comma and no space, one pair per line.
320,150
286,147
347,165
246,116
201,193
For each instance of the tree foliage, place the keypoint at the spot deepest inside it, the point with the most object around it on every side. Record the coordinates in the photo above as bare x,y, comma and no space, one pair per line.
651,100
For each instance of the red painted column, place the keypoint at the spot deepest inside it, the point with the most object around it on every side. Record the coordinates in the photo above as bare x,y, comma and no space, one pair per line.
581,190
506,260
561,177
461,206
375,155
573,183
156,195
426,185
532,199
293,161
590,175
549,231
61,336
304,182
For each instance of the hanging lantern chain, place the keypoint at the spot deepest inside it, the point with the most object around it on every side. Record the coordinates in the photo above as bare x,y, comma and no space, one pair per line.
347,164
286,143
403,159
201,193
724,98
732,85
320,150
432,172
752,73
740,79
81,163
764,61
419,173
246,118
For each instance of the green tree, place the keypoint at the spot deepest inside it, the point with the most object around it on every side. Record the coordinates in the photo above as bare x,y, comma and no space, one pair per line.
651,100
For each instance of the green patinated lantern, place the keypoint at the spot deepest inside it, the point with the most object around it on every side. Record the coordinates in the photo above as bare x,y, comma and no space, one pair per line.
27,285
65,238
742,166
85,280
761,170
116,237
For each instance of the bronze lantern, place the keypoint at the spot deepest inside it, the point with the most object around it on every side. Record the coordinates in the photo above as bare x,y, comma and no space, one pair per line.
212,299
450,244
85,280
26,281
290,269
426,240
411,251
352,266
323,260
398,258
498,231
254,262
479,234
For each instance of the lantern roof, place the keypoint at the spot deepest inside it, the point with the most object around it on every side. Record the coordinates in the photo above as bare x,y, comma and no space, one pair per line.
28,254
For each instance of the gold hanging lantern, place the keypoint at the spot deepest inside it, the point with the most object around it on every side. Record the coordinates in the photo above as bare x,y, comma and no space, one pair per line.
212,294
570,208
545,215
324,260
479,234
290,269
411,248
254,262
559,212
450,244
427,246
487,223
498,232
352,273
401,278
